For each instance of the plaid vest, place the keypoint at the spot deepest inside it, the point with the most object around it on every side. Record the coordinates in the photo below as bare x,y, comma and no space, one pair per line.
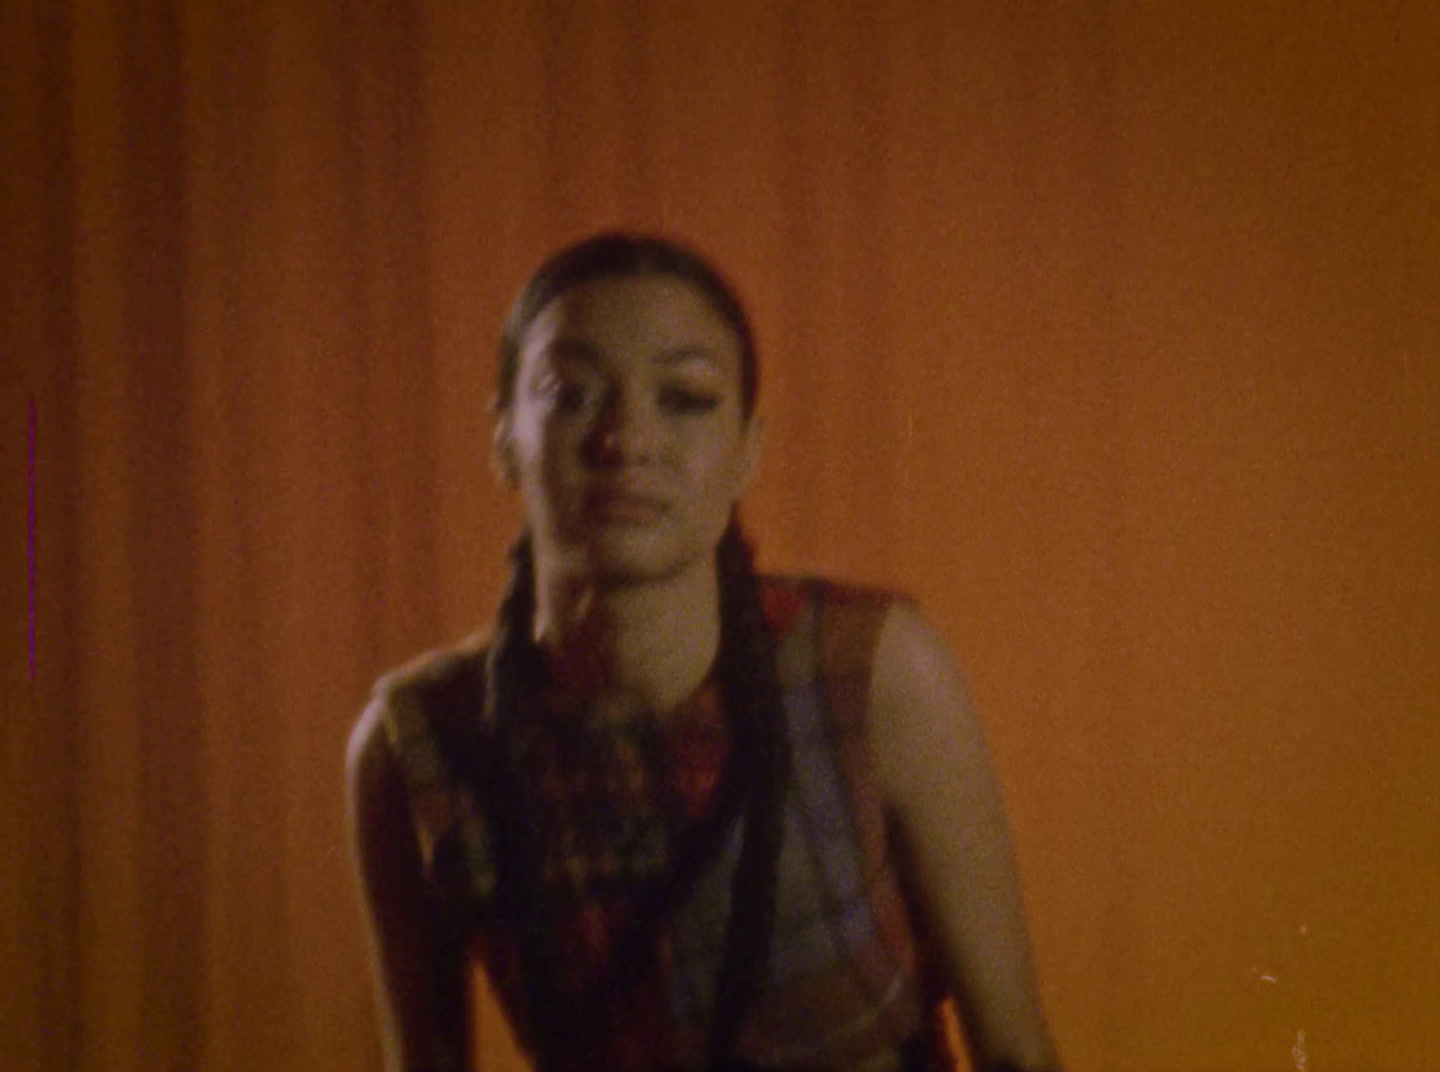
845,988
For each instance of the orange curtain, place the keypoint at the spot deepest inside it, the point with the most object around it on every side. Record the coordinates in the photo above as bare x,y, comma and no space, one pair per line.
1109,330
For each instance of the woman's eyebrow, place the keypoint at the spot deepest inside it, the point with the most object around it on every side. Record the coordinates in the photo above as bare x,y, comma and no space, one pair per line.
689,352
570,349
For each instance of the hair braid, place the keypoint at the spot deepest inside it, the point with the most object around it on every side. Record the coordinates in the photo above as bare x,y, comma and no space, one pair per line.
515,683
753,788
755,711
510,660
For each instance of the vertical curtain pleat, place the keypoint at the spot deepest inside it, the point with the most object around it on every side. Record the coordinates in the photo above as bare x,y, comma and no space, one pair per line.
39,867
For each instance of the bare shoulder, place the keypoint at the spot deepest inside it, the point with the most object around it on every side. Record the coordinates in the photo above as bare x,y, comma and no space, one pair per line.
912,657
375,795
934,769
369,758
432,669
922,720
418,683
371,761
419,975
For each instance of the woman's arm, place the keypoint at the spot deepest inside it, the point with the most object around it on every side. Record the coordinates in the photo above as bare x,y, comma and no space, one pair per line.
933,767
420,975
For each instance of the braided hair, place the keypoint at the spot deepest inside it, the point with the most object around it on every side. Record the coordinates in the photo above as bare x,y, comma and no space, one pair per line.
754,709
752,788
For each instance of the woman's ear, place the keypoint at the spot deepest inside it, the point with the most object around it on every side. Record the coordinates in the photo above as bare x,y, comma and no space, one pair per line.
502,454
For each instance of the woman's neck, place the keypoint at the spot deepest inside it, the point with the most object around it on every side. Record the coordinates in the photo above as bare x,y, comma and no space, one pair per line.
631,648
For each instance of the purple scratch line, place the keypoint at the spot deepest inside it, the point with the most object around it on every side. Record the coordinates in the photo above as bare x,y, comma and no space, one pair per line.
30,538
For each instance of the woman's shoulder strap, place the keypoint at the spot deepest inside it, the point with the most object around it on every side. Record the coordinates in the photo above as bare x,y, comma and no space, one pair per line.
831,628
430,711
848,631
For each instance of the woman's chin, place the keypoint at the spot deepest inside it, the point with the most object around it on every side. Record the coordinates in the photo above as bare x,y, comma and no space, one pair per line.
632,555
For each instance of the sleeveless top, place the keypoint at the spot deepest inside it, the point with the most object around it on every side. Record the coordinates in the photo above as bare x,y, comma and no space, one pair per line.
847,988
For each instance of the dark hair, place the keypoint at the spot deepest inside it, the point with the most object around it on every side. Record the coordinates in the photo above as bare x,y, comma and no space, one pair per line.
612,254
752,790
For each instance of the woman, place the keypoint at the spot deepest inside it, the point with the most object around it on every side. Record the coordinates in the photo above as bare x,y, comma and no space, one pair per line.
683,816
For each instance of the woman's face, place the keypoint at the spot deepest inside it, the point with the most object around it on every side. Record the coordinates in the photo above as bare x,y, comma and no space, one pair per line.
625,434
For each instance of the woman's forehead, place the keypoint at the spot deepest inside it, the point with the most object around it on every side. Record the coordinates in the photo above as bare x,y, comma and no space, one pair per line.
659,317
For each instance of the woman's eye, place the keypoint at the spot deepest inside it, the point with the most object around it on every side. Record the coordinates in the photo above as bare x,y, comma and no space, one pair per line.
565,394
571,397
687,401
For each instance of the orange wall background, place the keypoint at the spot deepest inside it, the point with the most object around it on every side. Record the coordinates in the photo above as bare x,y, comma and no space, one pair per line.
1108,329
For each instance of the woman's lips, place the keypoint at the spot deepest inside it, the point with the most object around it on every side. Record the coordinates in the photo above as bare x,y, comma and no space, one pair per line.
620,507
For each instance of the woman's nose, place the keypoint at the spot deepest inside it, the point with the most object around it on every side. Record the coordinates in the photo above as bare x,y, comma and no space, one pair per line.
627,430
